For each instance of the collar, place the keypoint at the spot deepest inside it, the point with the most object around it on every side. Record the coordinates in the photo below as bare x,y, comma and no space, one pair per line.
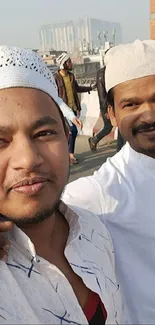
23,242
133,157
63,73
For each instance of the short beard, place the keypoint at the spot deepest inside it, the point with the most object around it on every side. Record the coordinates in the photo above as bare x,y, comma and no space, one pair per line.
147,152
39,217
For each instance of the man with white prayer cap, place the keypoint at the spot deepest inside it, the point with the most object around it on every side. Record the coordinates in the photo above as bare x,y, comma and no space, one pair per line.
60,266
122,192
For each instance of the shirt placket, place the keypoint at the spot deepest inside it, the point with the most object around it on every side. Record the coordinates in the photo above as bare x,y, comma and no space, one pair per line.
70,310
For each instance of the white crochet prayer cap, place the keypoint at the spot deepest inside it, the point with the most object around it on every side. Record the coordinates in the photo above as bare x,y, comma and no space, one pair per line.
128,62
25,68
62,58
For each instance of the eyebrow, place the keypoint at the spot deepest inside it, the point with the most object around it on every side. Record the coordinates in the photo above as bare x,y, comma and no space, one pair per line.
130,99
43,121
136,99
7,129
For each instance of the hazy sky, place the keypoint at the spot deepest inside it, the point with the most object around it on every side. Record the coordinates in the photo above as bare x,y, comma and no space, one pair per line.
20,20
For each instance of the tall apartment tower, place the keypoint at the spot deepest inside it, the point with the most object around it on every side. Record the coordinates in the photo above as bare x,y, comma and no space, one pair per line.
58,36
66,36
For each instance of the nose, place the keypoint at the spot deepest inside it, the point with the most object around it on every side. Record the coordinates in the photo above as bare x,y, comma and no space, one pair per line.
148,116
25,155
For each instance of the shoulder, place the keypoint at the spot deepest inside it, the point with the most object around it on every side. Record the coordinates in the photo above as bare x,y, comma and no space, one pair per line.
100,72
110,170
57,74
93,230
71,74
89,222
84,193
95,193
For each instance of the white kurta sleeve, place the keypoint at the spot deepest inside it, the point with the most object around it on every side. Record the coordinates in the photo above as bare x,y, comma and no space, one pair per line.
85,193
95,193
67,111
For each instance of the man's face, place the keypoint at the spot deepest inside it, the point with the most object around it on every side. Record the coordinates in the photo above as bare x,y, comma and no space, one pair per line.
69,65
134,113
34,159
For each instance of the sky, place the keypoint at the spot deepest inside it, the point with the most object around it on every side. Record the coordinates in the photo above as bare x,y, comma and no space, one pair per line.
20,20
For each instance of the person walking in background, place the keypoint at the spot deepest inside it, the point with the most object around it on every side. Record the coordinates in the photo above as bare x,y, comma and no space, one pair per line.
93,141
68,90
102,94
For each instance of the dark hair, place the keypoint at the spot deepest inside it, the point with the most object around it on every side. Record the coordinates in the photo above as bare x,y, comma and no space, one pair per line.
110,97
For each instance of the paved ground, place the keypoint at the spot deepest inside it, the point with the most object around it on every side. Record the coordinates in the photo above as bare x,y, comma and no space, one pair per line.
88,161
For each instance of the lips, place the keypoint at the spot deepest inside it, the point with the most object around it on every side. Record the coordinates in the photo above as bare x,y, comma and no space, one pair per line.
30,181
30,186
147,130
148,133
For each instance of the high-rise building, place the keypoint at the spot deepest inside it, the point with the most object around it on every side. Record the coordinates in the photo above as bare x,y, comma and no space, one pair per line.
59,36
95,32
83,33
152,19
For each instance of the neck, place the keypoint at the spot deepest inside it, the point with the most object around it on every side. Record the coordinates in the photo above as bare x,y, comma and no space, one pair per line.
150,153
49,237
64,71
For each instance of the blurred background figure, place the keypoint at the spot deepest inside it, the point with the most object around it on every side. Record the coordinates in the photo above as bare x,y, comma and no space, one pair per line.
102,94
93,141
68,90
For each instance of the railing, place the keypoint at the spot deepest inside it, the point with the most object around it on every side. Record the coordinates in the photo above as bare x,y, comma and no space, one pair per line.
86,80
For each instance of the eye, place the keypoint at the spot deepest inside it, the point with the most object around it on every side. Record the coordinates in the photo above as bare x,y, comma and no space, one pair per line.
45,133
130,105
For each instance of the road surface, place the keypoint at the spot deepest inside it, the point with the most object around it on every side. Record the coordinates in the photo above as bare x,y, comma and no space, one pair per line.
88,161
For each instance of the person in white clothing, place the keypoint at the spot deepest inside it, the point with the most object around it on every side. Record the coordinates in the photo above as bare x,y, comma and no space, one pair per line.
122,192
59,267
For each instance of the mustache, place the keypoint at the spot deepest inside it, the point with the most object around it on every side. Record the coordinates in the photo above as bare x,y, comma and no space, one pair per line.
31,178
143,127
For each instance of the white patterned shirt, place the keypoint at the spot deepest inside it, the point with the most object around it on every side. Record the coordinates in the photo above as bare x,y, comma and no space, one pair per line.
33,291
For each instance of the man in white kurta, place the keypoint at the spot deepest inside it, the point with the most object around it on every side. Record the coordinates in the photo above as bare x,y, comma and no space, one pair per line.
122,192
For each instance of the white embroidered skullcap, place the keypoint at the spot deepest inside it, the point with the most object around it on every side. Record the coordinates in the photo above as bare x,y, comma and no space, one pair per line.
25,68
62,58
128,62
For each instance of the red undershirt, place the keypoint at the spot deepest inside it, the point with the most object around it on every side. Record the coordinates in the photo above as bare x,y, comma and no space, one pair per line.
94,310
